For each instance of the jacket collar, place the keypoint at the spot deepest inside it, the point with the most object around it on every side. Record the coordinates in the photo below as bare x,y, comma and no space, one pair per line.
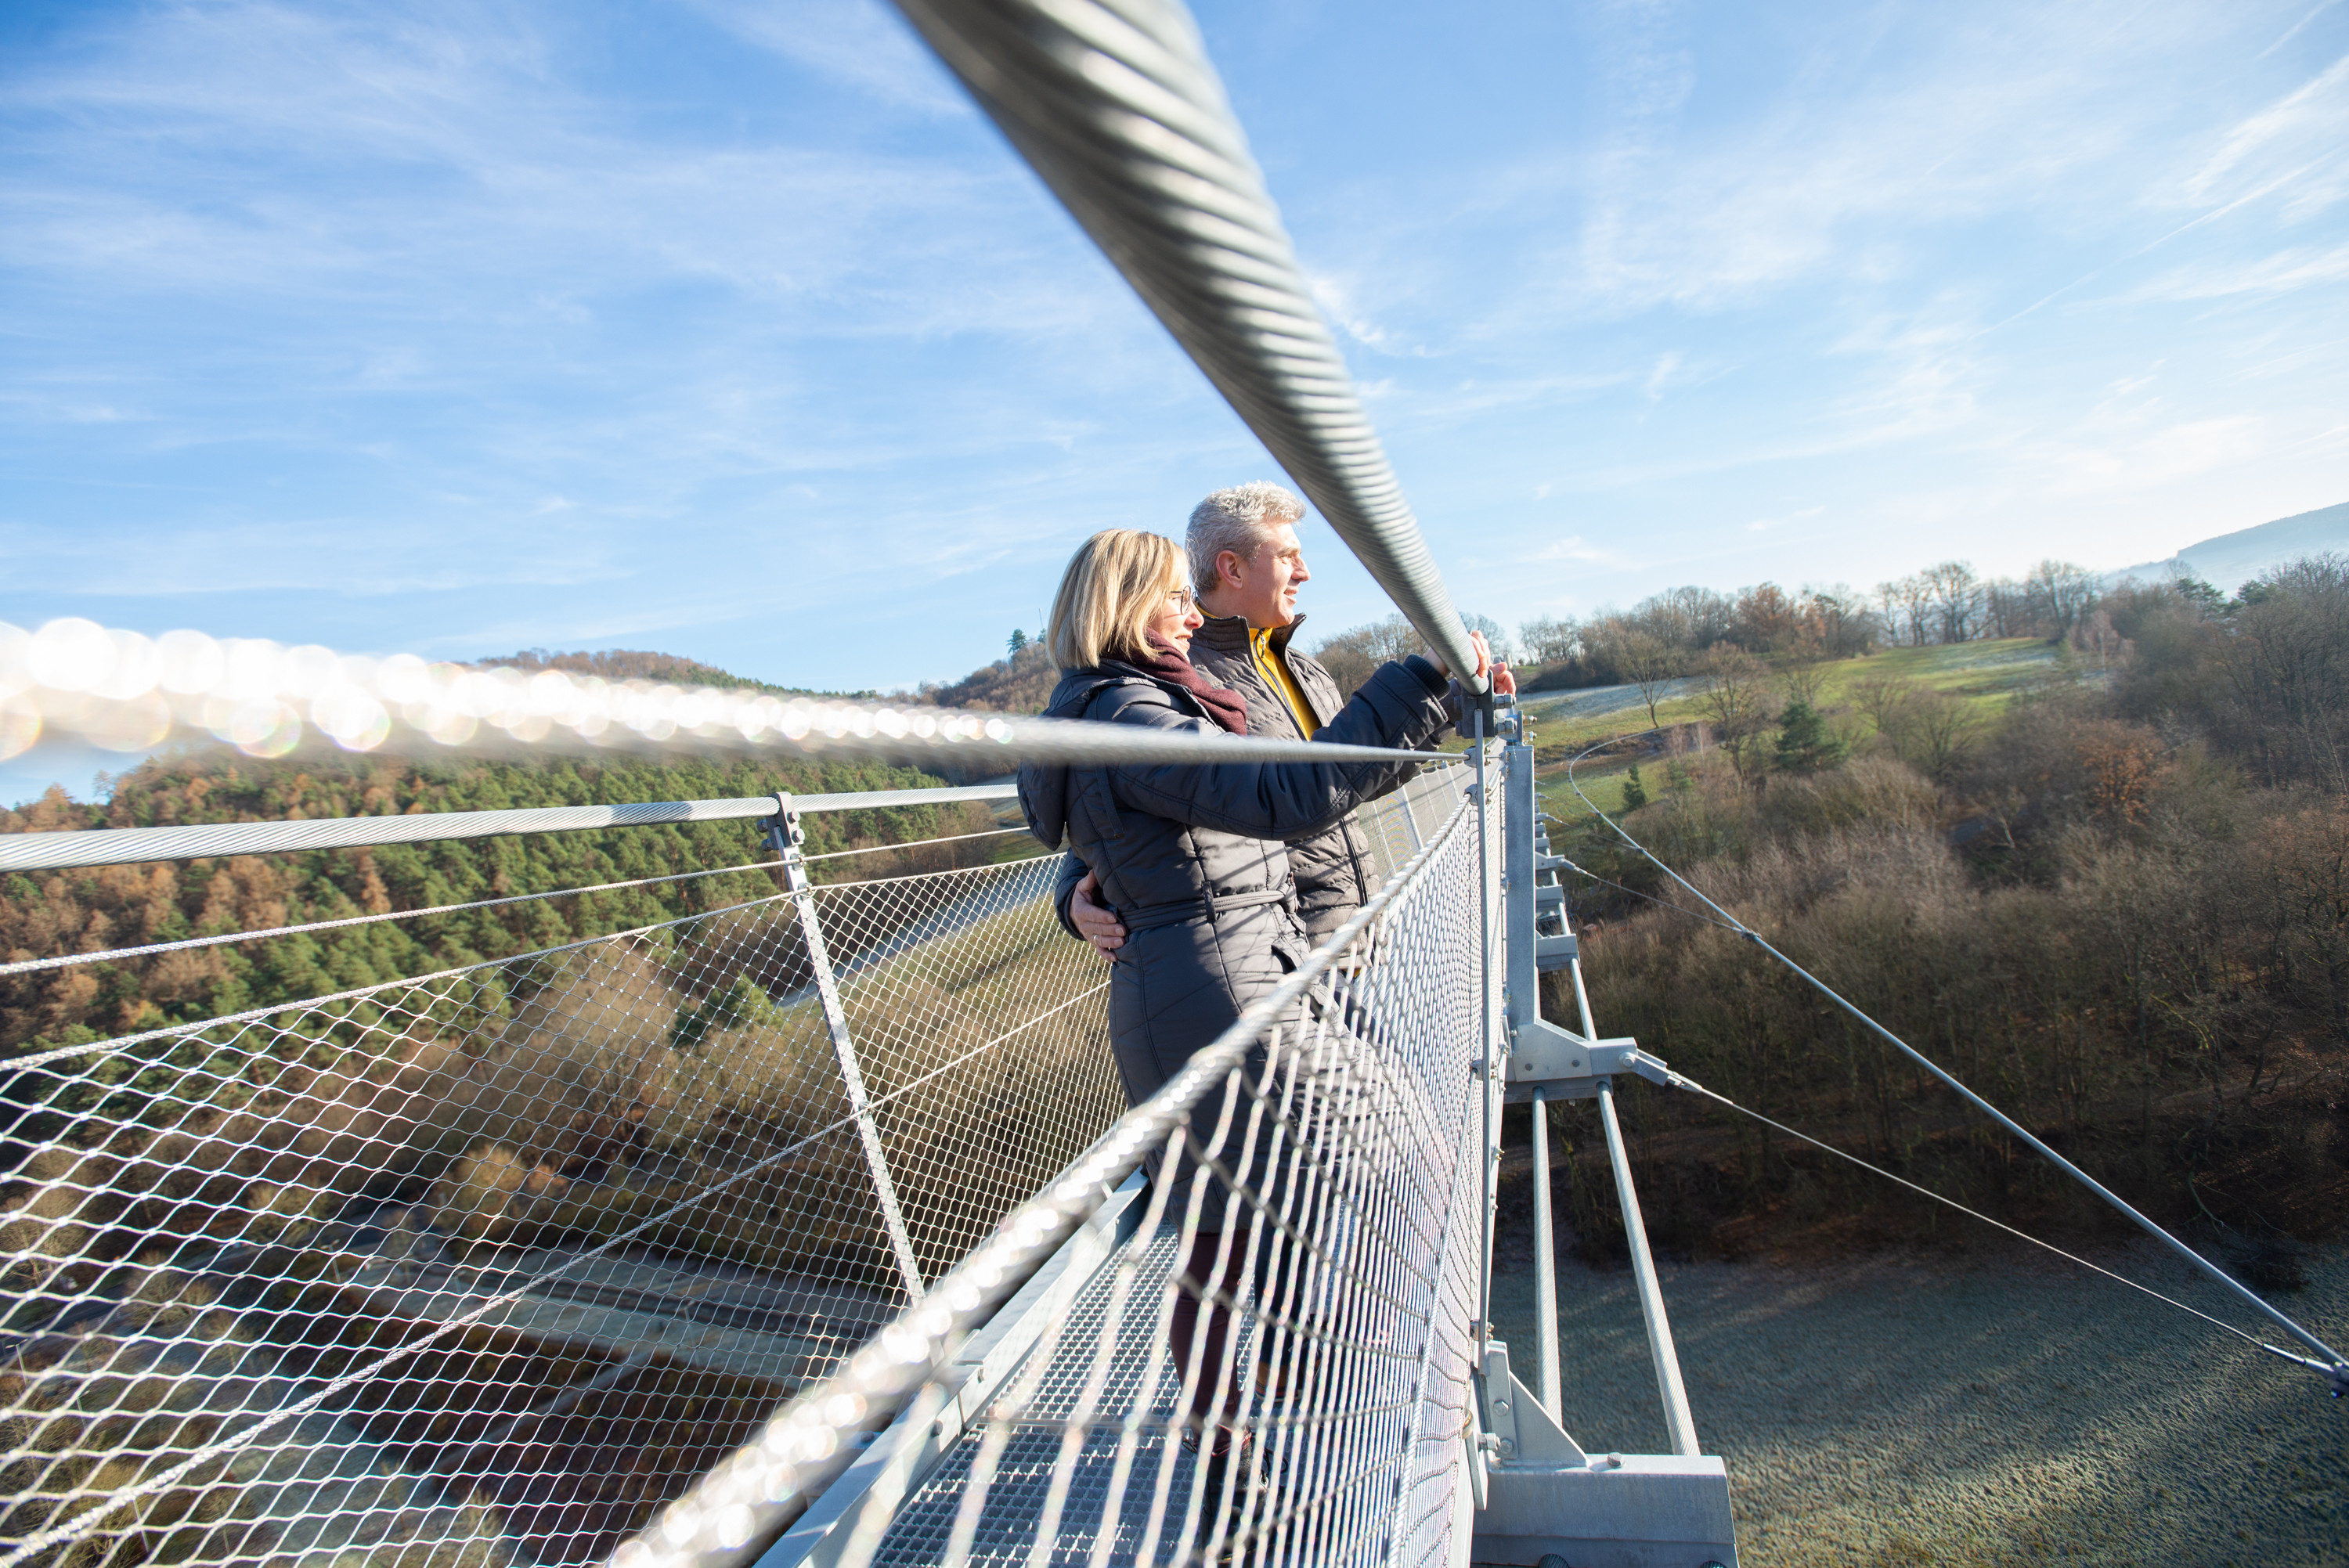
1229,634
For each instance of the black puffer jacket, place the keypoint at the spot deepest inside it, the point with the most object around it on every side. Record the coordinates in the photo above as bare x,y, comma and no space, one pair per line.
1193,857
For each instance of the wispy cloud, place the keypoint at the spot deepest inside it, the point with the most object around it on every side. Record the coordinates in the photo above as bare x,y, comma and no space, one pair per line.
728,324
859,42
2311,120
2298,267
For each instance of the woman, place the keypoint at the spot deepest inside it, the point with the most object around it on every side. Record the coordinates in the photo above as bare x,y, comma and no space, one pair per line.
1191,855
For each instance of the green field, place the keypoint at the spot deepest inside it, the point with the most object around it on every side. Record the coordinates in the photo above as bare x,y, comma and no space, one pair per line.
1985,675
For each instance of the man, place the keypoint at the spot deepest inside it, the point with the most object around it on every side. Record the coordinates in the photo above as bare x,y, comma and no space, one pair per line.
1246,565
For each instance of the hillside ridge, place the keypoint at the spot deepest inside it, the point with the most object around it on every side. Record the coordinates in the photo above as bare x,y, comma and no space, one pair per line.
2226,561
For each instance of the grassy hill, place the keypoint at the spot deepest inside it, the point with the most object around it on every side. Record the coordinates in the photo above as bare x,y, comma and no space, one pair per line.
1983,678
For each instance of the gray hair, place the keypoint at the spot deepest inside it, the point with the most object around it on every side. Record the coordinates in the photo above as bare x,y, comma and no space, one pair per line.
1239,520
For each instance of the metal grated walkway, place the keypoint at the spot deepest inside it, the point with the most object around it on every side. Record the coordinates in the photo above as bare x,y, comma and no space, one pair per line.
1007,1527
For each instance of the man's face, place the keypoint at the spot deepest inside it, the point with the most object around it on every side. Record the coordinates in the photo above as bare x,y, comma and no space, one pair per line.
1264,589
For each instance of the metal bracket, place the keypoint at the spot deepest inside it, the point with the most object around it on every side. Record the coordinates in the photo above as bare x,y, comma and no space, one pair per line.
1513,1414
1566,1066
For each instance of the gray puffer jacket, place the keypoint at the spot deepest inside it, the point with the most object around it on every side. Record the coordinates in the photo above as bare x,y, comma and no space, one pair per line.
1194,858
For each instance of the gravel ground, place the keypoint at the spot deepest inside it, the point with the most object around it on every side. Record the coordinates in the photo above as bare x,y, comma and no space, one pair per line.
1897,1412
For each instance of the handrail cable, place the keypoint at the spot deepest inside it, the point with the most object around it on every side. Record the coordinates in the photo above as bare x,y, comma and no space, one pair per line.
252,1014
1017,738
148,950
804,1445
2337,1368
1117,107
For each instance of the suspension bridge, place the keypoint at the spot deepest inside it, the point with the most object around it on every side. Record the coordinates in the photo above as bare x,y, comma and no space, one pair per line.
812,1228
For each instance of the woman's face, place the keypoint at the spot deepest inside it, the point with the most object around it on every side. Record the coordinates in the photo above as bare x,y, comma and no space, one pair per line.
1177,618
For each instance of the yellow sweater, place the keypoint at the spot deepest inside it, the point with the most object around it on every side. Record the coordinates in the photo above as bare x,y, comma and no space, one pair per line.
1275,669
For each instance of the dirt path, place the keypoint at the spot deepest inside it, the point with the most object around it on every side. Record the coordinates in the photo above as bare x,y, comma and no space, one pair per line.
1897,1412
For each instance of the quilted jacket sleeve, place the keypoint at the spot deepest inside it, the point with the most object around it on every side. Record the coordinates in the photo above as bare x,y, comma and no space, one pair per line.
1400,705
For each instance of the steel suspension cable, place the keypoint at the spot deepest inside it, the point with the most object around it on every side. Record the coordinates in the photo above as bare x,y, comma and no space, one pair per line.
1684,1081
1117,107
2336,1367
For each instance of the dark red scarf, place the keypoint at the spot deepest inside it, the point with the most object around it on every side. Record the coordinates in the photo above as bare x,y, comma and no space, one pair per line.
1226,706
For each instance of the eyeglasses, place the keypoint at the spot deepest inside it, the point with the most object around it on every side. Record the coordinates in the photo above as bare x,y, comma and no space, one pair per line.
1182,598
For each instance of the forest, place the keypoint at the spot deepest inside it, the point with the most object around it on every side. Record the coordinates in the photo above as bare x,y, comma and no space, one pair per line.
103,908
2115,900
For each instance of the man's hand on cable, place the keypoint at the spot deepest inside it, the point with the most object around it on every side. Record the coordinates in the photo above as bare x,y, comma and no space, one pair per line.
1099,924
1504,680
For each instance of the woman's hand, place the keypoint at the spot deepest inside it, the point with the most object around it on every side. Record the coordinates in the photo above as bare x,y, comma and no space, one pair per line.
1100,925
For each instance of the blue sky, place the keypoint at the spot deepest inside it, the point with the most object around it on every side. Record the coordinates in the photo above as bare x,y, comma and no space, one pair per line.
731,329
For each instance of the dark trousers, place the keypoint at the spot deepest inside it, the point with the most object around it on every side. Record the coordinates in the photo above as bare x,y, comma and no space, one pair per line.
1203,1294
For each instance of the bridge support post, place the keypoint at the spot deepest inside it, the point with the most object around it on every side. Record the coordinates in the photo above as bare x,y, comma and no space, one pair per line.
785,835
1543,1495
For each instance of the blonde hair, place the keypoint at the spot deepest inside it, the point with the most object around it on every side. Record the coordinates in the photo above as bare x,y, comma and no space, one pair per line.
1113,588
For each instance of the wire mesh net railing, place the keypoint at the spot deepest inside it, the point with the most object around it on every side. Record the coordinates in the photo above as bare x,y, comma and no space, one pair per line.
1400,825
1276,1367
485,1266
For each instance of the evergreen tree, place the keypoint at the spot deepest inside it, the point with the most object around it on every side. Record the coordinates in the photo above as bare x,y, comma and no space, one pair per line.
1635,794
1806,745
1018,641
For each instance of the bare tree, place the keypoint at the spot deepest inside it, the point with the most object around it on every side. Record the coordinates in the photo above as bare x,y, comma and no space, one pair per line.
1879,697
2060,592
1497,639
1735,688
2009,609
1933,732
1351,655
1907,608
1651,664
1956,595
1548,639
1846,625
1686,617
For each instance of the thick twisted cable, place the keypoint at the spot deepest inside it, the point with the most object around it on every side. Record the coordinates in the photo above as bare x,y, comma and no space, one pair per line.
1052,741
735,1510
1115,104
